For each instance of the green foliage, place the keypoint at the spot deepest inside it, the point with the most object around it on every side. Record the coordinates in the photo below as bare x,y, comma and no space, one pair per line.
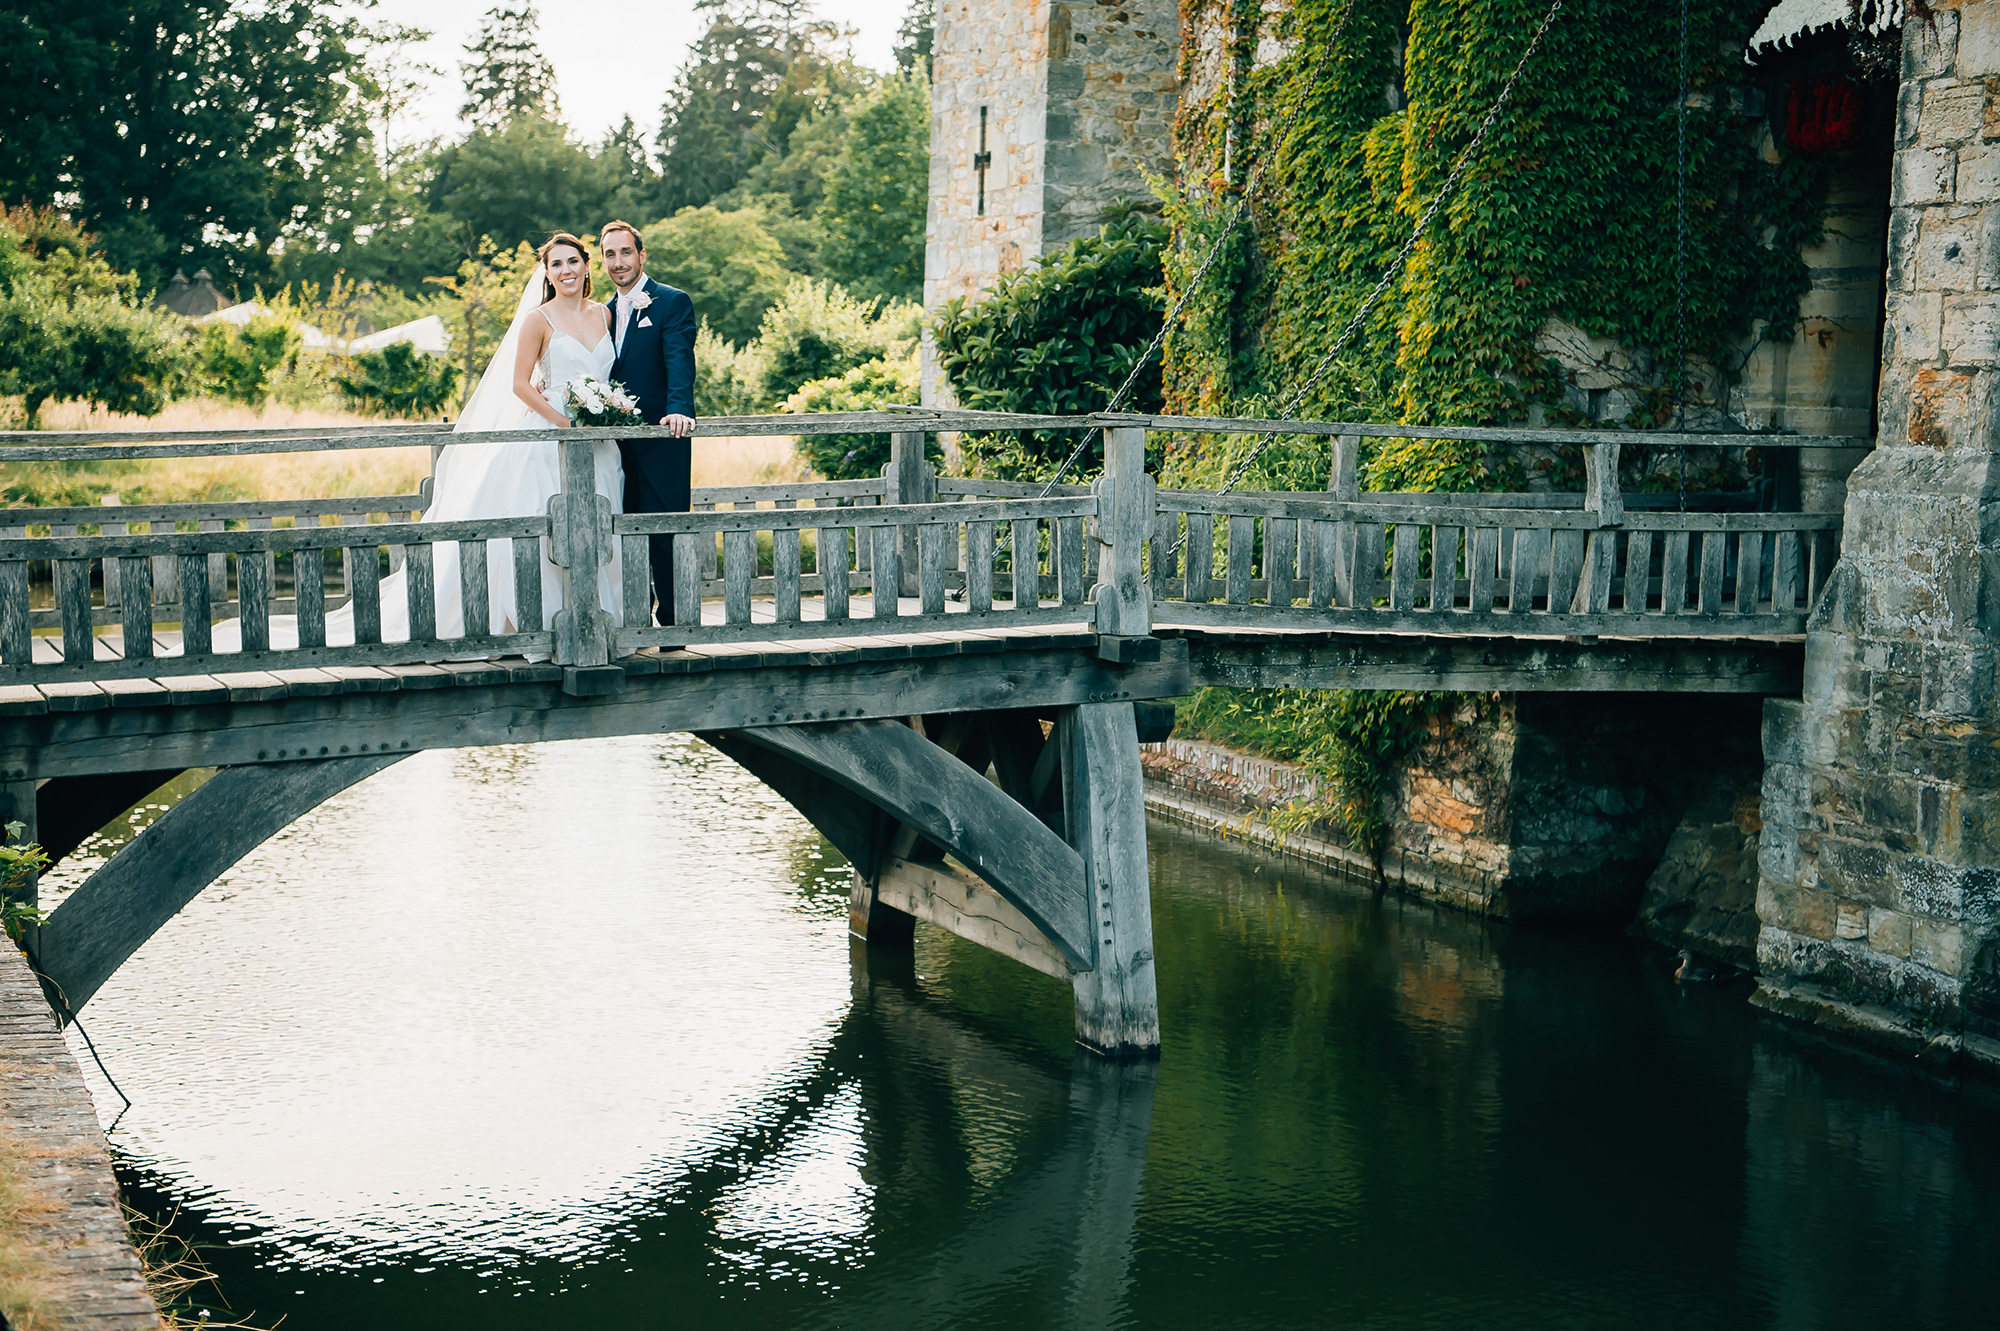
508,75
67,332
876,193
1058,338
21,862
867,387
239,363
399,380
819,331
726,378
522,181
728,263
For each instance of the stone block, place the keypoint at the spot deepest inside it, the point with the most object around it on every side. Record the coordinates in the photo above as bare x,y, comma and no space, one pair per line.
1780,731
1856,870
1971,331
1777,857
1951,684
1924,175
1909,113
1850,920
1905,224
1938,945
1949,409
1977,179
1813,916
1915,325
1889,804
1930,888
1889,931
1952,113
1979,893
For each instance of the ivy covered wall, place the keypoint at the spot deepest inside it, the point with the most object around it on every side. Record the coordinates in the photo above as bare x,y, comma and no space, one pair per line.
1556,254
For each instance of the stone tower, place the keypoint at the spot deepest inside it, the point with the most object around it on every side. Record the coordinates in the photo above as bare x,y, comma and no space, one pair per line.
1043,116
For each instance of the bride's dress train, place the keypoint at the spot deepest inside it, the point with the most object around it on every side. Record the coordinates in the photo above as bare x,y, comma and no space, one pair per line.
474,480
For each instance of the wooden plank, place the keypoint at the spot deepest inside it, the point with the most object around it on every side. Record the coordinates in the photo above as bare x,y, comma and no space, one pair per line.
475,597
980,546
887,550
194,690
1638,571
687,580
1673,574
1238,556
136,589
420,585
1600,559
1364,570
933,541
1024,564
72,593
1163,560
1117,1001
739,565
1445,558
530,616
252,685
830,558
1530,557
1784,573
1498,624
1281,560
1565,568
1403,568
16,646
1482,567
197,635
112,573
1200,555
785,575
959,903
267,541
254,600
79,696
22,700
1709,592
364,589
1072,580
1749,572
1326,571
309,588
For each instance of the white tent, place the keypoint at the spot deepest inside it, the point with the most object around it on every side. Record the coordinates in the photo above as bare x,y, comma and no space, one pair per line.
427,335
241,315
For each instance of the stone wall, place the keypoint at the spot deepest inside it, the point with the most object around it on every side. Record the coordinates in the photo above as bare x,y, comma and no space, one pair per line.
1879,891
1079,101
1703,895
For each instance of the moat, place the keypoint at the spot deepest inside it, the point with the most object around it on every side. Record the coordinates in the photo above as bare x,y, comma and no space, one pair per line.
572,1036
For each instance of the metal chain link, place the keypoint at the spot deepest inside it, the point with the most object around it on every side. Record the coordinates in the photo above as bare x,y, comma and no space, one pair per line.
1395,268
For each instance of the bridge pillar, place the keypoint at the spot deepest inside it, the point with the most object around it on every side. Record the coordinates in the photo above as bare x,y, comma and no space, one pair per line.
1117,1000
1879,869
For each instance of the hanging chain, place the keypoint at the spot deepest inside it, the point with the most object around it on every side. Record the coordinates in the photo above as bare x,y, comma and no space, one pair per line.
1395,268
1681,261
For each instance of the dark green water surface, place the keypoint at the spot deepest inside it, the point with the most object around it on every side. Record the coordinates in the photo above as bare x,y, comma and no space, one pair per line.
573,1037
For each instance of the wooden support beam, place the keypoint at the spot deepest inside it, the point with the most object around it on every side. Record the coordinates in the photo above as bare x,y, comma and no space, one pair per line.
959,903
72,807
98,926
1117,1001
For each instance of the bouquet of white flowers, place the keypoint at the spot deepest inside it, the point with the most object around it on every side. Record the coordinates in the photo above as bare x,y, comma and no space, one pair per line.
595,402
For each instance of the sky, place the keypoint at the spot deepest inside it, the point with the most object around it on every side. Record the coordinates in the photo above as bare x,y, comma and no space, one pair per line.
599,86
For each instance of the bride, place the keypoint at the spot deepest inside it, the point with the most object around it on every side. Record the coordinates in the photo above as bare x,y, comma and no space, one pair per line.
558,333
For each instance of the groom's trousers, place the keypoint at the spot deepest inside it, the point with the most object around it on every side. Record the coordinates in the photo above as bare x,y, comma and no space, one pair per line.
659,483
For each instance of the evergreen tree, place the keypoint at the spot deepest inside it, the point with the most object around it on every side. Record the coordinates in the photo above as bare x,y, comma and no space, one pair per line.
877,191
507,76
913,37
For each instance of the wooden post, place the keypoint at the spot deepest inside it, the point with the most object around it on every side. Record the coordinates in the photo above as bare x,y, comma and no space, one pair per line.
875,922
1117,1001
580,542
1343,482
1124,523
1601,494
908,480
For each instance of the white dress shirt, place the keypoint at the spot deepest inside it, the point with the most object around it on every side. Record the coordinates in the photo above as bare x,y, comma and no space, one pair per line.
625,311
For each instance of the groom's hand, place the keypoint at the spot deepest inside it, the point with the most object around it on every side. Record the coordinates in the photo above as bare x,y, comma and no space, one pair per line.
679,424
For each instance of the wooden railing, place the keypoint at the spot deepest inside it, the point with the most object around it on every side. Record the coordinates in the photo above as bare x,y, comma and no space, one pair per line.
907,552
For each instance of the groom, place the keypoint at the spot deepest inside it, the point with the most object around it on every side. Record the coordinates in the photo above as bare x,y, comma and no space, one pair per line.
652,325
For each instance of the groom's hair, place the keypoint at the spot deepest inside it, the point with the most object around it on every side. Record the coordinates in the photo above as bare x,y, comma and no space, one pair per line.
604,232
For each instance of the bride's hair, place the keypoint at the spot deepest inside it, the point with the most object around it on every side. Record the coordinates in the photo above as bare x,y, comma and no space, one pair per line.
542,257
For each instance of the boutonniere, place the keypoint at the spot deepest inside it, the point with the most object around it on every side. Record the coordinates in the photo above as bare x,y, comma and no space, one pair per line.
640,300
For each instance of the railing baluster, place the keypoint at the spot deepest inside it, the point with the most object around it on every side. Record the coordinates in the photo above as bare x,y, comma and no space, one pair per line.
1025,559
253,595
1785,574
785,575
1600,557
887,547
932,544
197,634
1673,574
739,565
635,592
364,590
72,589
1072,575
830,558
309,595
689,574
113,571
1529,543
1200,552
1365,574
475,598
1749,572
1164,559
1236,571
421,582
1638,571
17,638
979,549
1403,569
1482,565
218,566
1713,549
1281,560
136,590
1565,567
528,584
1326,574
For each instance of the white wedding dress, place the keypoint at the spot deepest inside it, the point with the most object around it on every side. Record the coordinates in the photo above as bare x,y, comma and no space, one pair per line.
477,480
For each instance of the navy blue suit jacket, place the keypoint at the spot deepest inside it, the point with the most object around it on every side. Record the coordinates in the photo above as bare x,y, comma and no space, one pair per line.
656,362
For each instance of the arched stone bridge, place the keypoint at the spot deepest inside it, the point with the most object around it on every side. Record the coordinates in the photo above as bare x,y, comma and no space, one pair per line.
949,678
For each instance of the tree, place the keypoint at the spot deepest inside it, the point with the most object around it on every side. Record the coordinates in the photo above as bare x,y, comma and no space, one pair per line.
507,77
523,181
399,380
914,36
729,265
870,387
877,193
191,132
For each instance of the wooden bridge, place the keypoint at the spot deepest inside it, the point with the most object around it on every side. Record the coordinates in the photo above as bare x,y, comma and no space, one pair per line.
872,649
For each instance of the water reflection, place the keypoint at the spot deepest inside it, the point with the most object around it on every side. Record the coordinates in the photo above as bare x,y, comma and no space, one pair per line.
572,1036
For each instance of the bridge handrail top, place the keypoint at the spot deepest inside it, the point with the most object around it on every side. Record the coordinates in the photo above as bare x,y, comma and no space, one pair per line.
37,445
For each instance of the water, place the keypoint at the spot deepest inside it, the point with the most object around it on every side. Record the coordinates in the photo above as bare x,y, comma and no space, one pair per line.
571,1036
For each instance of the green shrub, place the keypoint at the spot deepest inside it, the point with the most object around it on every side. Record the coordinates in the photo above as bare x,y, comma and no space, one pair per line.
819,331
238,363
731,266
725,379
1058,339
399,380
869,387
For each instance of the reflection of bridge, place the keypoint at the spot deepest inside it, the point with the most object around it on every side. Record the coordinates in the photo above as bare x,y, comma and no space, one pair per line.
870,648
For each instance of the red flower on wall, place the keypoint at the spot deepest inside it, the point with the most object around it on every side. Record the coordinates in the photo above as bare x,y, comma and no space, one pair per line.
1824,114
